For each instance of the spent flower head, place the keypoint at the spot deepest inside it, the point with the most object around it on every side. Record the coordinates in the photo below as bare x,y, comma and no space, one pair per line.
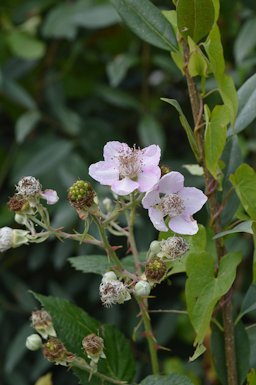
29,189
93,346
127,169
42,323
173,248
55,351
170,198
113,292
155,269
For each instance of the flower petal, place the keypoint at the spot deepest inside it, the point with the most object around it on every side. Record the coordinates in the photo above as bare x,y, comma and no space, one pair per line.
151,155
148,178
124,186
50,196
113,149
171,183
104,172
157,218
193,198
151,199
183,225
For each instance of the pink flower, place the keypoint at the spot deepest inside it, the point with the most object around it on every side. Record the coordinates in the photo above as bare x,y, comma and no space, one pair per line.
170,198
50,196
126,169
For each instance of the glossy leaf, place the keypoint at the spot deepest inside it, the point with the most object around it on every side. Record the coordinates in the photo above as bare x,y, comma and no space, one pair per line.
215,138
244,182
147,21
195,18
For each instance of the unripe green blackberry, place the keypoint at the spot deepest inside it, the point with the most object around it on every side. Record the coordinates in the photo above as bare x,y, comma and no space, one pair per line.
155,269
81,195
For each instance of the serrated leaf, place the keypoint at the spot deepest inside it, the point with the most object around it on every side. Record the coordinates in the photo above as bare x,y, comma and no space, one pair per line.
170,379
25,124
215,138
244,182
195,18
97,264
147,21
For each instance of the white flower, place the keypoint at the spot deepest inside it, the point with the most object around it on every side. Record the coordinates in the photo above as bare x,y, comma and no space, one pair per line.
113,292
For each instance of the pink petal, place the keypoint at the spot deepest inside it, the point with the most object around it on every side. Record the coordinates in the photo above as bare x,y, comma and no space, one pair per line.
148,178
193,198
151,199
151,155
157,218
113,149
104,172
171,183
50,196
183,225
124,186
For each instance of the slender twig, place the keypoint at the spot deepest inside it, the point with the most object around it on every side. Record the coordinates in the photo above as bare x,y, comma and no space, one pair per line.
131,238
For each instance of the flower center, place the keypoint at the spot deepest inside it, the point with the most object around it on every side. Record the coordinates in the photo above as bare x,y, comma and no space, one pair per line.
130,163
171,205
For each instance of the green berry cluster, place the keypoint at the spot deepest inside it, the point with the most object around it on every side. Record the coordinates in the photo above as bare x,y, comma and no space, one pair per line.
81,194
155,269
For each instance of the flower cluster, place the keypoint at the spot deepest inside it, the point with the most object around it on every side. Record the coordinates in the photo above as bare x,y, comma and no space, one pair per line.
128,169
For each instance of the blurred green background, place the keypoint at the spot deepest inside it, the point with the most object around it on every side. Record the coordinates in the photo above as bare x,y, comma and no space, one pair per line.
73,77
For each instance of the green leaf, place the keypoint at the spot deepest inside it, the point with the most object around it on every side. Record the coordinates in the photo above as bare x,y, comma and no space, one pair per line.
251,377
17,93
16,348
151,132
185,125
72,324
170,379
225,83
98,16
245,42
194,169
97,264
195,18
117,68
244,227
242,353
25,124
147,21
215,137
251,332
204,289
25,46
247,99
249,302
244,182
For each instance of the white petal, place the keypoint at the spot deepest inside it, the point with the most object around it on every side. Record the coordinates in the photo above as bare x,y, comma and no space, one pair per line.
151,155
193,198
148,178
157,218
104,172
113,149
124,186
183,225
151,199
171,183
50,196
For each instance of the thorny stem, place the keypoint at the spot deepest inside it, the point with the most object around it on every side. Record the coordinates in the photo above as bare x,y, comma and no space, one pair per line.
196,105
152,344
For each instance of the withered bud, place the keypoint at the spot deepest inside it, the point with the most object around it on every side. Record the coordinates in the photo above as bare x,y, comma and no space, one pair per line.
164,169
81,195
93,346
173,248
42,323
55,351
16,203
155,269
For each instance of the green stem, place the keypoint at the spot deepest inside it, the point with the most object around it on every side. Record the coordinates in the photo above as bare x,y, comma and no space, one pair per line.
131,221
152,344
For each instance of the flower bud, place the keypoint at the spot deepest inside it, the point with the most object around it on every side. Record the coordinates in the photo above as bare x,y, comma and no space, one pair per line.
81,195
107,204
55,351
93,346
11,238
172,248
109,276
155,269
42,323
142,288
155,247
34,342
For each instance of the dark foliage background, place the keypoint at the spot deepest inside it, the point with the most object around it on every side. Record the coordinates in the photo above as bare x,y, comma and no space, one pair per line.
72,77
